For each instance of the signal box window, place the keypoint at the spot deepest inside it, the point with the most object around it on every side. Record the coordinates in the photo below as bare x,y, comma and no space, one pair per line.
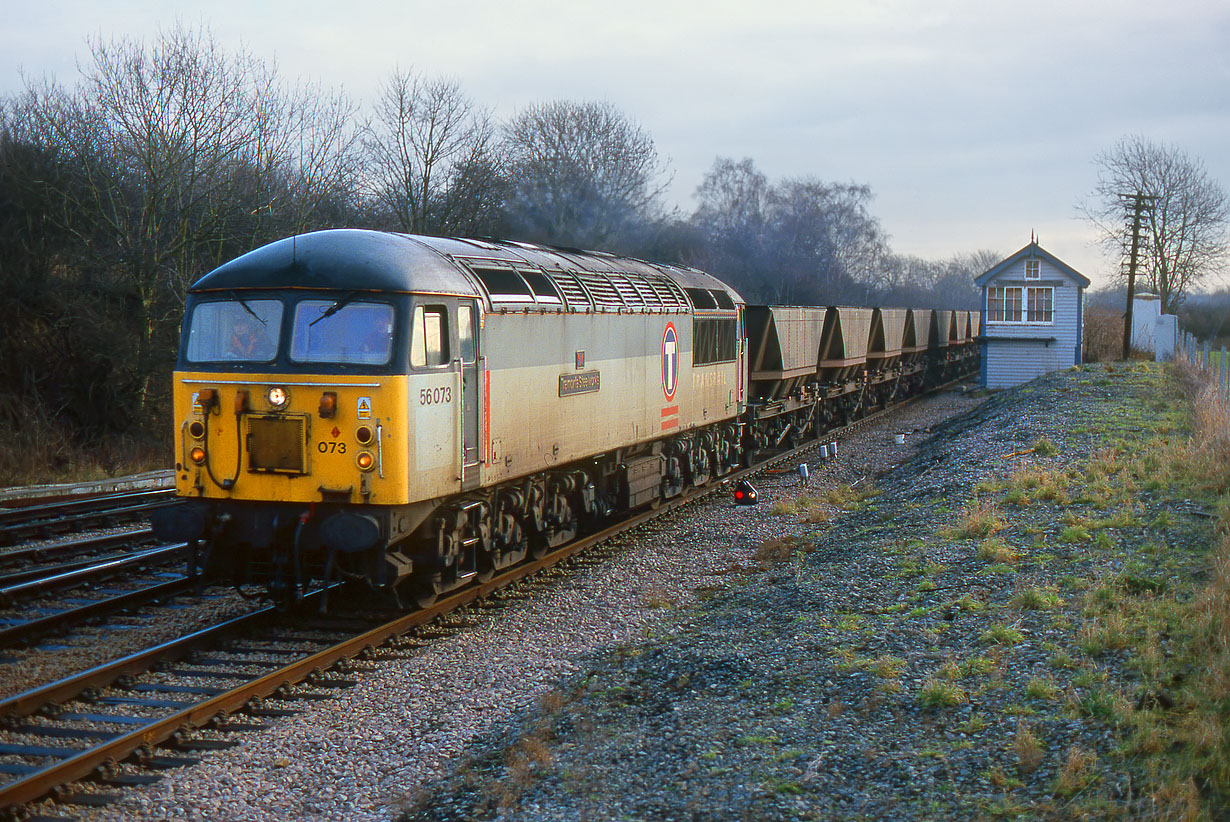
1014,304
429,338
1033,269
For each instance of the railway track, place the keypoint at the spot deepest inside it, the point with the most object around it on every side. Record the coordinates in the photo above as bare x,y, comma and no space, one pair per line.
49,587
45,599
46,518
156,708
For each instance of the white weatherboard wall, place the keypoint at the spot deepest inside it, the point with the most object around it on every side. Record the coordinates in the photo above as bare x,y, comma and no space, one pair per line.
1014,352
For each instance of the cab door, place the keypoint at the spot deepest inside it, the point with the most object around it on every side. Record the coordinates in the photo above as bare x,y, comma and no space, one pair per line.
471,392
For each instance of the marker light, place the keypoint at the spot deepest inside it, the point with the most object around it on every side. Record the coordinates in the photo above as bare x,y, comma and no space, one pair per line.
363,434
745,494
365,461
328,405
196,429
197,455
278,397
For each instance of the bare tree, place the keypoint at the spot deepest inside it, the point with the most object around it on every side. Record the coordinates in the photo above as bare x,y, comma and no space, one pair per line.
580,173
731,198
1187,223
183,155
431,158
797,240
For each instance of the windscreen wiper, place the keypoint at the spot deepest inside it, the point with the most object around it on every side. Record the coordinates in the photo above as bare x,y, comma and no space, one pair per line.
333,309
247,307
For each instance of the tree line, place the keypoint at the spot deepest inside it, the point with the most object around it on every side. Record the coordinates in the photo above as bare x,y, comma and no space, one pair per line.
168,157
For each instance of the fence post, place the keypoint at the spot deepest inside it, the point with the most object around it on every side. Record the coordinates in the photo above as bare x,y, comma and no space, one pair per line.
1222,377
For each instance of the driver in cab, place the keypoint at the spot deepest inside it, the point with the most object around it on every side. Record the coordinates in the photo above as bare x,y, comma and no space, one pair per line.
248,341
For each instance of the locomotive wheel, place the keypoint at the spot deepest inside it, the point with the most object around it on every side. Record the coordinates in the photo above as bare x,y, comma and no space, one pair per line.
538,546
484,568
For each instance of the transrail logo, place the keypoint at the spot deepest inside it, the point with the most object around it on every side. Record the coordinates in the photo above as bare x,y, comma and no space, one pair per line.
670,361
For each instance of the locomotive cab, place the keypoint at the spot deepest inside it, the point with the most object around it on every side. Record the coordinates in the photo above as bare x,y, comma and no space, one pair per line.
320,410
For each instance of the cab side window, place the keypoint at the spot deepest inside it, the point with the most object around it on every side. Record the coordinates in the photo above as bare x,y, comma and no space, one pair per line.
465,332
429,336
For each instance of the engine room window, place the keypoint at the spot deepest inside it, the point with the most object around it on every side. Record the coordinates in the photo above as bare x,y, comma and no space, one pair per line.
504,284
337,331
701,298
713,341
543,288
723,299
235,331
429,337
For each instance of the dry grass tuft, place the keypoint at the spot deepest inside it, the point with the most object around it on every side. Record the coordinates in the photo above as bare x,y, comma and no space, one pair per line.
1028,749
998,551
775,551
1103,336
980,518
1077,773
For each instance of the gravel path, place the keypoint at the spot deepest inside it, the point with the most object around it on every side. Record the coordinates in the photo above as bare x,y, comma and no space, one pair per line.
412,721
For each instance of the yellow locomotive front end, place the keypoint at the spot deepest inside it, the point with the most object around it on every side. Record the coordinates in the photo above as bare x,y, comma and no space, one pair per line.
320,438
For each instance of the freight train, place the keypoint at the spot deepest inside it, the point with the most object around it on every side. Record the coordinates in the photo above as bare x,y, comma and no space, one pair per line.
418,412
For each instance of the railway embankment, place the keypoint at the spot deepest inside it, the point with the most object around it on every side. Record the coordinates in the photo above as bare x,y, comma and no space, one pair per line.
1021,620
1013,613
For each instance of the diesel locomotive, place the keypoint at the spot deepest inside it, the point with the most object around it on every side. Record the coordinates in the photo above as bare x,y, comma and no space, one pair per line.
417,412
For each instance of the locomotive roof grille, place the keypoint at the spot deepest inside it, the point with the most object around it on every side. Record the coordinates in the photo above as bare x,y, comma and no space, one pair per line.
572,290
627,289
600,287
668,292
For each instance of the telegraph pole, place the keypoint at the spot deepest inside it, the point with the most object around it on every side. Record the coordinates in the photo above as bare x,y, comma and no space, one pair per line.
1137,206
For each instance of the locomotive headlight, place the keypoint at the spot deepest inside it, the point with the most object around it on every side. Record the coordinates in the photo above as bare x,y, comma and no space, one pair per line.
278,397
365,461
197,455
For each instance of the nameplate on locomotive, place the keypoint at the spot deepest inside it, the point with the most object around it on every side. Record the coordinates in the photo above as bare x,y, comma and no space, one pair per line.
584,383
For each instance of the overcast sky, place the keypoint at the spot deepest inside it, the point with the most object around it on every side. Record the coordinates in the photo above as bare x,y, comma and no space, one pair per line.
974,123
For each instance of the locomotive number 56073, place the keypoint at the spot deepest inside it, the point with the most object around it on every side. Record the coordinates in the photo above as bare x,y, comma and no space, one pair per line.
436,396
